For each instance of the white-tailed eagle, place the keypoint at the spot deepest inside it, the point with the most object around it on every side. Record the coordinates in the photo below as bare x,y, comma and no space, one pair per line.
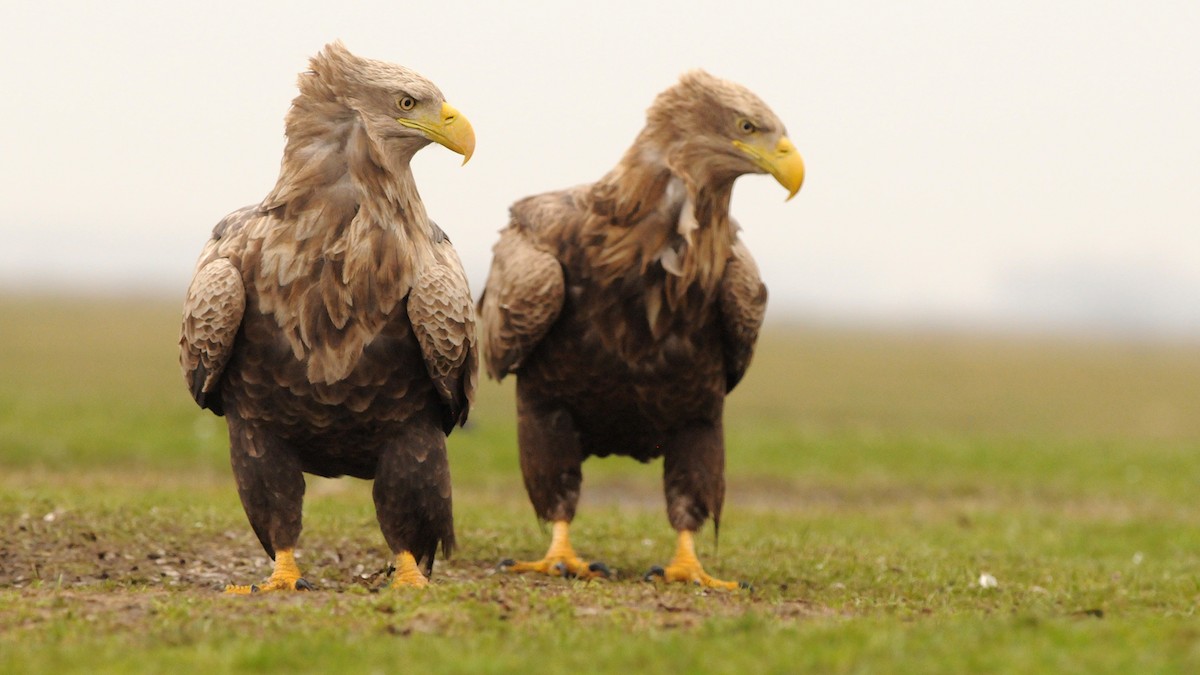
332,325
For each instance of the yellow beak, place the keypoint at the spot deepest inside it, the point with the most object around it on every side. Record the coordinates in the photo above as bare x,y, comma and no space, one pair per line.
450,129
783,162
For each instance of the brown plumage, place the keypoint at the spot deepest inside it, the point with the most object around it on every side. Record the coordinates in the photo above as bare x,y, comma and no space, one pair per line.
332,325
629,308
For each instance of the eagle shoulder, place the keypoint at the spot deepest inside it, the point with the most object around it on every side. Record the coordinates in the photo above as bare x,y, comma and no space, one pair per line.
522,299
443,321
212,314
742,299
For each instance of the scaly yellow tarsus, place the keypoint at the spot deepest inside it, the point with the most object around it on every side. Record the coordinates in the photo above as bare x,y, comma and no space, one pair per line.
408,575
283,578
560,559
685,567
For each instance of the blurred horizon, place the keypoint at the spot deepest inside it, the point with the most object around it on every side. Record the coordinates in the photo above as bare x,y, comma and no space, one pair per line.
788,319
1011,168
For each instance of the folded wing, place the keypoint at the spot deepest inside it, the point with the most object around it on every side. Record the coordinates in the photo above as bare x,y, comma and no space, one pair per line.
212,314
743,302
443,319
522,299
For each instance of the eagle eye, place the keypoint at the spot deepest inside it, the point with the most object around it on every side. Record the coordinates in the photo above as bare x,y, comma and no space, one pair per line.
746,126
407,103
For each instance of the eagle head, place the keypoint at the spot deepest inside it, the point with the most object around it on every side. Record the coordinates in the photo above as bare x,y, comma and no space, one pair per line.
399,109
714,129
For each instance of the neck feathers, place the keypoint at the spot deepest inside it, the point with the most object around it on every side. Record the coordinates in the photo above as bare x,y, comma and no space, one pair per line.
332,170
345,232
670,233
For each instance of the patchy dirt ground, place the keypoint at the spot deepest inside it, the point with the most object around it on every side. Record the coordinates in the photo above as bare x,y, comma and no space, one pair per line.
126,547
126,561
61,562
67,549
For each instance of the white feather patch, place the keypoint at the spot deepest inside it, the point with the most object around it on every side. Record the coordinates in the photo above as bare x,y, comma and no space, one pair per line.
687,221
670,260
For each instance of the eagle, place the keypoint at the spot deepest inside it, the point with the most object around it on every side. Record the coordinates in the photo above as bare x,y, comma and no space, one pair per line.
629,308
332,325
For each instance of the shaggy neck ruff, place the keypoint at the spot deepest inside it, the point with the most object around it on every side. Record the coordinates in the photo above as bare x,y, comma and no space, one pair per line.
347,233
653,212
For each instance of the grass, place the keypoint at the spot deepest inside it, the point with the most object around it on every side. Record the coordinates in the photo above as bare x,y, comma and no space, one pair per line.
873,478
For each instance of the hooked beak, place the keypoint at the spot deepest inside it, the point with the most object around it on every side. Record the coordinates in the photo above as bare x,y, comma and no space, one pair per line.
783,162
450,128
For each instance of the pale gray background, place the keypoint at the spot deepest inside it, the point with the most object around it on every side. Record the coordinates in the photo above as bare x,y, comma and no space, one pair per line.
1005,165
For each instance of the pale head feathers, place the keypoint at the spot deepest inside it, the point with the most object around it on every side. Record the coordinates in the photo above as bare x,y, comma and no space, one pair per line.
703,104
371,88
345,147
694,122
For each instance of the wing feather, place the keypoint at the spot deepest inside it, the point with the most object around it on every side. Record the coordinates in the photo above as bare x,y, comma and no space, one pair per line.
443,319
743,302
212,314
522,299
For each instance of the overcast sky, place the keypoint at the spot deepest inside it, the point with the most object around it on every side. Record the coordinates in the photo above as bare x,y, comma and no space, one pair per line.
997,163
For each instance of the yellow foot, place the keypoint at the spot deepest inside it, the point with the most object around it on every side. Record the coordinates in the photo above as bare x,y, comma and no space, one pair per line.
560,560
685,567
571,567
408,575
286,577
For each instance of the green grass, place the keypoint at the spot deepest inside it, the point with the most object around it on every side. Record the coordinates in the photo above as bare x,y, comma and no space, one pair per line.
873,478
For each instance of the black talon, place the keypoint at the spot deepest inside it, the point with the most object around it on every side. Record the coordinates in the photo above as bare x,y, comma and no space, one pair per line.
601,569
254,588
745,586
505,564
303,585
563,571
655,571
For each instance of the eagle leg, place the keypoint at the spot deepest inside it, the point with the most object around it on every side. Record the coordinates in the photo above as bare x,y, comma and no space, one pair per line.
685,567
551,466
286,577
560,559
271,486
694,482
413,499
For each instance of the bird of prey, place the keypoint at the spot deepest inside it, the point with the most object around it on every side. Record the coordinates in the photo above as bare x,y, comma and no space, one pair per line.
332,325
629,308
